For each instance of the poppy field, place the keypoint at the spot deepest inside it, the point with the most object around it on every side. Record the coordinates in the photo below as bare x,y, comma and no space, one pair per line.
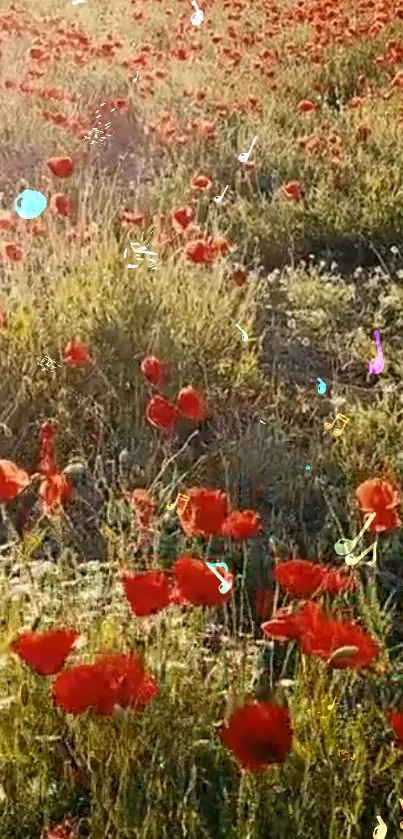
140,698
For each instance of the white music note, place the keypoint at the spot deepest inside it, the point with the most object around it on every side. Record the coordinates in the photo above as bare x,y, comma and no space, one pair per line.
225,586
219,198
198,16
244,157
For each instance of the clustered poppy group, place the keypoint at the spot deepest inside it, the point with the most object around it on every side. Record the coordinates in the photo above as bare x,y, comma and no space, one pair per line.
258,733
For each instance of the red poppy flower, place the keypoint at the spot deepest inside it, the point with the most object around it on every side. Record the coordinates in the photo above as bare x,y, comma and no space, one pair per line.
45,652
258,734
114,679
292,190
147,593
55,490
197,584
337,581
12,480
153,370
145,505
299,577
220,245
77,354
241,524
323,636
200,251
61,205
62,167
283,627
11,252
191,404
161,413
7,222
181,218
396,721
200,183
380,497
306,106
64,830
363,133
205,512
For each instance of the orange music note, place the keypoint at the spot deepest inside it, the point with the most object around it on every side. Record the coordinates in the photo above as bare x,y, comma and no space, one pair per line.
329,425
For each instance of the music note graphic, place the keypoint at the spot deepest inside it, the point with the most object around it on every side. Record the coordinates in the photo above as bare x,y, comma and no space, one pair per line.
219,198
401,804
244,157
225,586
354,560
376,364
198,16
343,547
381,830
244,334
180,499
338,431
330,708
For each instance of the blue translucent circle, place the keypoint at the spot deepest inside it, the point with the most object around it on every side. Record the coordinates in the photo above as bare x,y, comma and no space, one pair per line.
30,203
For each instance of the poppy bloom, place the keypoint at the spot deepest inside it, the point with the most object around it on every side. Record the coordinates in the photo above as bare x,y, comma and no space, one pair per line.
197,584
396,721
258,734
200,251
62,167
323,636
380,497
292,190
113,679
61,205
12,480
181,218
64,830
11,252
200,183
241,524
284,626
77,354
299,578
153,370
191,404
55,490
363,133
205,512
144,504
45,652
147,593
161,413
306,106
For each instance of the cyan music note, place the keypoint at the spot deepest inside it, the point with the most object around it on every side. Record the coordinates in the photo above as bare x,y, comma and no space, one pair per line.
225,586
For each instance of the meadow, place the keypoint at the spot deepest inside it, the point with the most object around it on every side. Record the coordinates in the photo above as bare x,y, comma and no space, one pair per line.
136,700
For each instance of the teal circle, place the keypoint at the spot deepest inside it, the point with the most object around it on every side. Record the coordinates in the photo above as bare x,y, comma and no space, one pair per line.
32,203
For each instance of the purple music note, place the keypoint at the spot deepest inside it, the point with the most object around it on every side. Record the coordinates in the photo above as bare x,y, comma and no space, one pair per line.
376,364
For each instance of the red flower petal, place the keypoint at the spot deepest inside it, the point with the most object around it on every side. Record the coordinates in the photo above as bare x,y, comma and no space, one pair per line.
147,593
258,734
45,652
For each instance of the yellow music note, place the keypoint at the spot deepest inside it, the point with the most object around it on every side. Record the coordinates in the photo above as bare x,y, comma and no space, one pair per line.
329,425
180,499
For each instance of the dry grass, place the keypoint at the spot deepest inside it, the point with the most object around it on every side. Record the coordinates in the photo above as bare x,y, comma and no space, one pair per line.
165,774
